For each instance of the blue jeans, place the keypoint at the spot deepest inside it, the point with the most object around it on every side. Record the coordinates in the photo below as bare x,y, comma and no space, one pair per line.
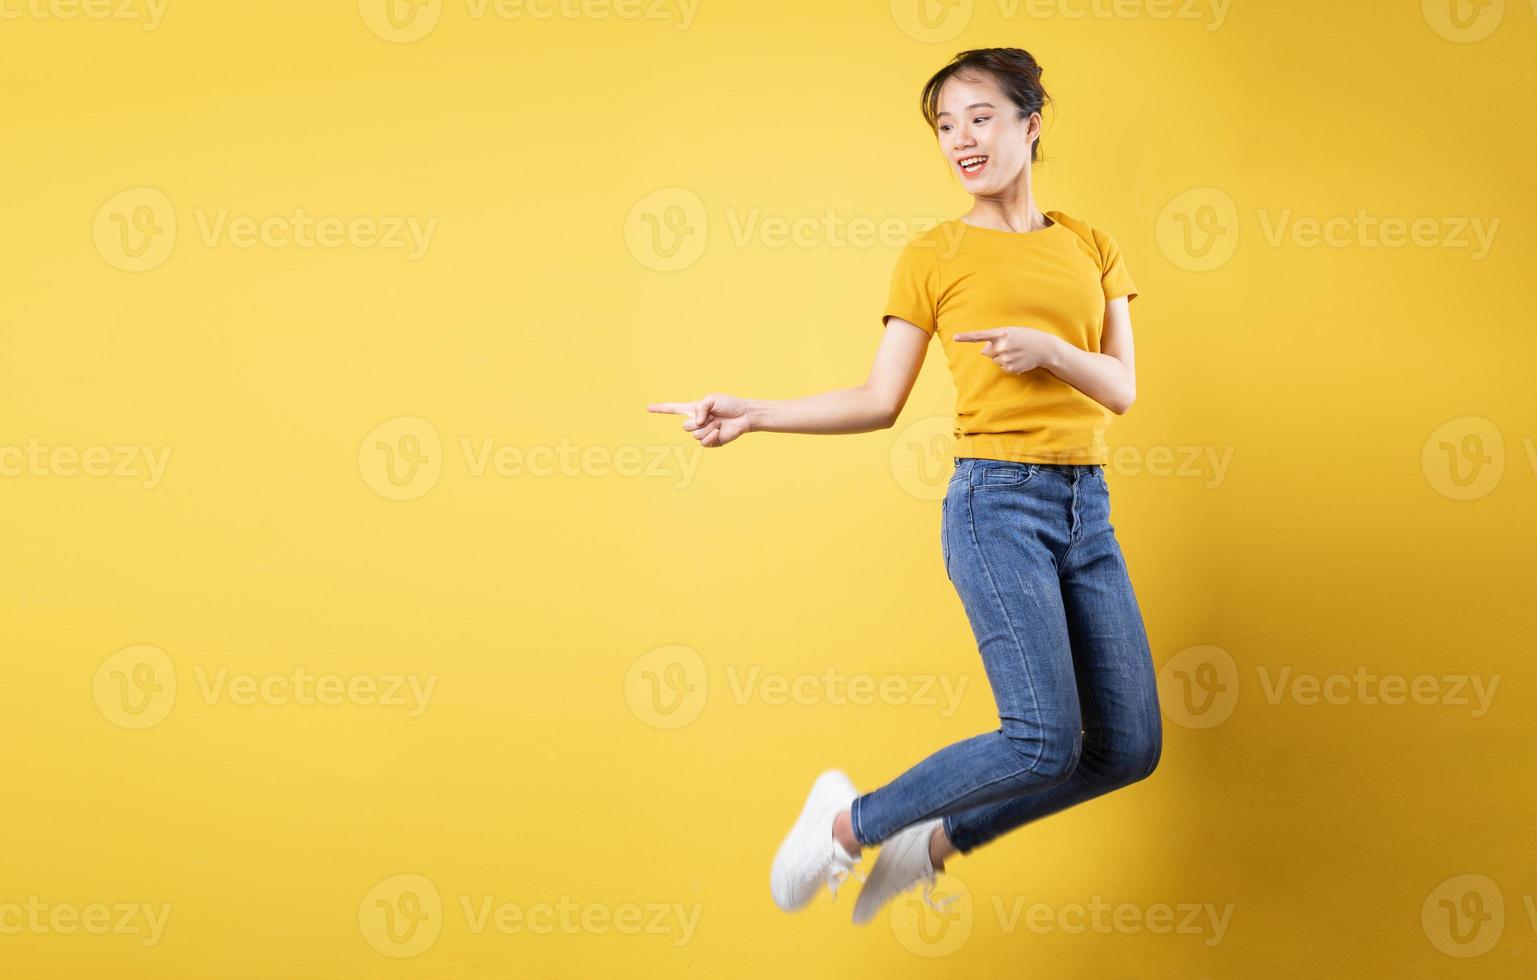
1030,549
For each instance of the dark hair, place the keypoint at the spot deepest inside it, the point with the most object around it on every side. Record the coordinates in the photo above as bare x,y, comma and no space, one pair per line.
1014,69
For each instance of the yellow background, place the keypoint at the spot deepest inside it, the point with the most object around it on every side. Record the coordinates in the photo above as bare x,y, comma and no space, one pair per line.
1339,833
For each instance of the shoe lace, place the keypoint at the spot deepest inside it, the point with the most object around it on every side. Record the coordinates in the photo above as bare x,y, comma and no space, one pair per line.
835,876
929,883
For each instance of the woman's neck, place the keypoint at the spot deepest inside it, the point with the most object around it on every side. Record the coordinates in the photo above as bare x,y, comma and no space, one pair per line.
1018,213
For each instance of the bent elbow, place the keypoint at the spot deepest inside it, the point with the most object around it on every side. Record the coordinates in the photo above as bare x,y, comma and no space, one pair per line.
885,412
1122,405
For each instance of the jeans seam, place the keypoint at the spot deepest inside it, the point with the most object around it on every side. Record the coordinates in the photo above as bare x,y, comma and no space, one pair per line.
1026,771
1075,523
1013,632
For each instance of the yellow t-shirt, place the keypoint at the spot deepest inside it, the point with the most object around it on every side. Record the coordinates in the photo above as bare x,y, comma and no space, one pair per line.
957,277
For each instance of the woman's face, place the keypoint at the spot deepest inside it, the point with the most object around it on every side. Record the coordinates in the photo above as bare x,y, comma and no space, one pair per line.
977,121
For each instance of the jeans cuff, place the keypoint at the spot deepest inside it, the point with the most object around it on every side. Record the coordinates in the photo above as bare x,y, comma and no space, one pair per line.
958,842
854,821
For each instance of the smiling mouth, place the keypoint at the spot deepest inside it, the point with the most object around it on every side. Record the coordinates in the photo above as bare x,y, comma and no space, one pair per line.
973,164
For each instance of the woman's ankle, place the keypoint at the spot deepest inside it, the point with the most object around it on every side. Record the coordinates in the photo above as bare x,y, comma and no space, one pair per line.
940,848
843,833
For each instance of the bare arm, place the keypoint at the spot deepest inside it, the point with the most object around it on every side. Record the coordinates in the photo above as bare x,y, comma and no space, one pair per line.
872,405
1109,378
716,419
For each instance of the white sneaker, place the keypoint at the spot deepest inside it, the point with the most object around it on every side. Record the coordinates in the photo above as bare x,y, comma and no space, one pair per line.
903,863
810,856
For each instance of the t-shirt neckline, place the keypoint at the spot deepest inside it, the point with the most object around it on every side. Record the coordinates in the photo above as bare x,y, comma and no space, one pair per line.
1056,221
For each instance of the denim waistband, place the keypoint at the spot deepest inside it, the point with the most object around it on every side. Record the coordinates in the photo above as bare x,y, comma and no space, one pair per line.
976,466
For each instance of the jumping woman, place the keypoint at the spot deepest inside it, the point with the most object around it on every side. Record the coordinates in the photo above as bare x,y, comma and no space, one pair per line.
1032,309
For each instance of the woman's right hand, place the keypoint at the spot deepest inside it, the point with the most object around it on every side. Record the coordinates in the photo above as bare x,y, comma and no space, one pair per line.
714,419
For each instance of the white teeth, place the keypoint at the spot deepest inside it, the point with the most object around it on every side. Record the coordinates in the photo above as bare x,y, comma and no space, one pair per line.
972,163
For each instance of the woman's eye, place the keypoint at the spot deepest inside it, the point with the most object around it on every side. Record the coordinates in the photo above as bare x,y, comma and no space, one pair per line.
981,119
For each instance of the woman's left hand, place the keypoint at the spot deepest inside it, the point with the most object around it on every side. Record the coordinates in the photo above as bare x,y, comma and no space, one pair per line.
1015,349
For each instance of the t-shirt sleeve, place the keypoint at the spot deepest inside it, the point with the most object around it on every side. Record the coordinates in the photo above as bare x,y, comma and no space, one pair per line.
1113,275
914,292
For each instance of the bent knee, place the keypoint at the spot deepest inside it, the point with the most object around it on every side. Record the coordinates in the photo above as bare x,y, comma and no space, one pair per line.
1130,761
1047,759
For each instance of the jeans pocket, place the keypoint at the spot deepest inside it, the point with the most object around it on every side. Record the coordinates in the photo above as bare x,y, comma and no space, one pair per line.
1002,475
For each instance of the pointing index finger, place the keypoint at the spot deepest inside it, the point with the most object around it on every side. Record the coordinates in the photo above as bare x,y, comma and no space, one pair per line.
970,335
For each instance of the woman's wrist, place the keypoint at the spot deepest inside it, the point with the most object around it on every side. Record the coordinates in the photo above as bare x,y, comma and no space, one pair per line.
754,416
1057,353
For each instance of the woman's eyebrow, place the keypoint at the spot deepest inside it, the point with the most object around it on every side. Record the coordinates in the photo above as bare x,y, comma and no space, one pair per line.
974,105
